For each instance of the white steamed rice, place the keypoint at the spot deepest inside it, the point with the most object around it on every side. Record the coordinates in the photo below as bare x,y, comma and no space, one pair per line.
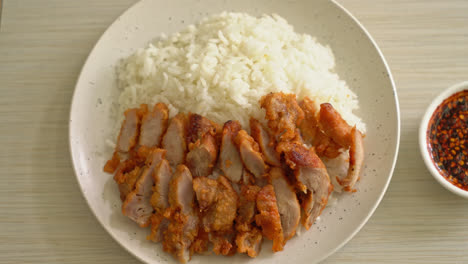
221,67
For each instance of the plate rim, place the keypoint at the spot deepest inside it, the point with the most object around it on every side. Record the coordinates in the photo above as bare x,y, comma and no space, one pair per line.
347,239
397,145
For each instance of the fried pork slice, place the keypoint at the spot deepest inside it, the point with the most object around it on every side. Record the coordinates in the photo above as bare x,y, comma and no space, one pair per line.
249,242
174,140
229,158
162,176
250,154
288,205
269,218
247,177
203,148
316,181
298,155
310,125
356,160
126,176
159,200
218,203
246,211
130,170
223,243
283,114
129,131
200,245
159,225
183,227
249,237
349,137
137,204
325,146
201,159
153,126
334,125
266,142
307,204
310,175
311,132
198,126
206,192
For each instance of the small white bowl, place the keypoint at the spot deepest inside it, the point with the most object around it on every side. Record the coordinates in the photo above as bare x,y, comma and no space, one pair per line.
423,138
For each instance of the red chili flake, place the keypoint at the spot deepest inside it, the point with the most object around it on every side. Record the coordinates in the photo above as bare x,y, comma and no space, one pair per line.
448,139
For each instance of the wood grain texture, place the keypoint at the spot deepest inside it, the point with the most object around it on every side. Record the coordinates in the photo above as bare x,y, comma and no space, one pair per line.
43,216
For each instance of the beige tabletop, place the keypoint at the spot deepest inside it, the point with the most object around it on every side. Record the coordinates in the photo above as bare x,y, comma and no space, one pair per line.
43,216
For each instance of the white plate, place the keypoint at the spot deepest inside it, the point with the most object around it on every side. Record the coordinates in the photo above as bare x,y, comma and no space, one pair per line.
358,60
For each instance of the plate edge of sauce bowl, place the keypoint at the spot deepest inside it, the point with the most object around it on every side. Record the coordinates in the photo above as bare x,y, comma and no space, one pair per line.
439,99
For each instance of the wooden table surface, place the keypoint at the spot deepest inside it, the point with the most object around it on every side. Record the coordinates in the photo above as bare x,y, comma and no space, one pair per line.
43,216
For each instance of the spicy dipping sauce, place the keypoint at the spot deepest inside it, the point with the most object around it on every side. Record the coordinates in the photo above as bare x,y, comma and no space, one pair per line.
447,138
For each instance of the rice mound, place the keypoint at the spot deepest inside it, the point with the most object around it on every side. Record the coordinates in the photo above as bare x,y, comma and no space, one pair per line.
221,67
